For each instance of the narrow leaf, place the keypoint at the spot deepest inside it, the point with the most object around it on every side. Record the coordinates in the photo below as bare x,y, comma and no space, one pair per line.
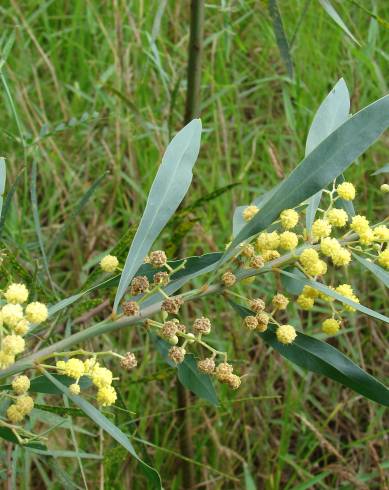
3,173
383,170
168,190
319,357
378,271
281,39
326,4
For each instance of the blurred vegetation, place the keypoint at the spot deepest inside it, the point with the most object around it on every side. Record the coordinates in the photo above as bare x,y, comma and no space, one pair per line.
93,91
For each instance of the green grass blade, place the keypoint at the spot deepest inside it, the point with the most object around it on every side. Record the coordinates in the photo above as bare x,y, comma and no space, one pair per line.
321,358
3,174
281,39
169,188
327,6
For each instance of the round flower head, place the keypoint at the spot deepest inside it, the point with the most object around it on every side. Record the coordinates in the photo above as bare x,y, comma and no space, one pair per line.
25,404
359,224
169,329
251,322
249,212
109,263
347,291
381,233
89,365
321,228
131,308
310,292
262,321
288,240
16,293
13,344
101,377
330,326
257,305
268,241
248,250
21,328
161,278
129,362
172,305
233,381
346,191
268,255
11,314
20,384
289,218
36,312
106,396
206,366
202,326
256,262
310,261
177,354
74,368
158,258
341,257
139,285
384,188
228,279
383,258
223,371
74,389
6,360
280,302
337,217
329,246
286,334
367,237
305,302
14,415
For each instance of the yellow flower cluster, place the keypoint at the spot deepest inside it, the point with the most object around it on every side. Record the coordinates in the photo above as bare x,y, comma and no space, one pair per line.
249,212
100,376
15,321
24,404
311,263
268,243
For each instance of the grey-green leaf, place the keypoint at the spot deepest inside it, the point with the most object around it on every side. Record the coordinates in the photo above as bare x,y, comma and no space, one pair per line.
110,428
326,4
168,190
317,356
3,174
378,271
383,170
321,166
200,384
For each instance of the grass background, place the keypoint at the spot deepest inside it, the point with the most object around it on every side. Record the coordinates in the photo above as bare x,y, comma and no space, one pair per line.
124,64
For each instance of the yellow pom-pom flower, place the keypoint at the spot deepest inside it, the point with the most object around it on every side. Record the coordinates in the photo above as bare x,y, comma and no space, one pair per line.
381,233
74,389
289,218
249,212
109,263
329,246
16,293
15,416
268,241
341,257
346,191
330,326
359,224
305,302
25,404
36,312
21,384
347,291
367,237
74,368
106,396
101,376
310,261
6,360
310,292
11,314
21,328
384,188
13,344
337,217
268,255
383,258
288,240
321,228
286,334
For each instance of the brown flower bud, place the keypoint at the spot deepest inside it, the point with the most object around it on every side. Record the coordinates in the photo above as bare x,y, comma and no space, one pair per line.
233,381
158,258
169,329
161,278
131,308
229,279
139,285
257,305
256,262
206,366
248,250
262,321
177,354
251,322
202,326
280,302
172,305
129,361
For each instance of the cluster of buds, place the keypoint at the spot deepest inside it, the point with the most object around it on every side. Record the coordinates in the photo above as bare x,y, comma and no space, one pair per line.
15,321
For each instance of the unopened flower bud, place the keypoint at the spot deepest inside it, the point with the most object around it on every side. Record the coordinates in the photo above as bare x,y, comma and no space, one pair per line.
202,326
228,279
233,381
257,305
262,321
129,361
131,308
251,322
206,366
172,305
161,278
223,371
158,258
280,302
139,285
190,338
256,262
173,340
169,329
177,354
